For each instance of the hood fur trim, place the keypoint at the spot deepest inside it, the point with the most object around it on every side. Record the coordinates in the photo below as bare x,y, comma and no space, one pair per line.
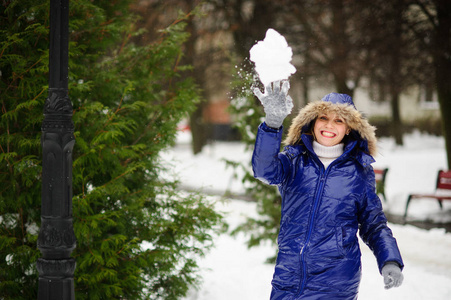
353,118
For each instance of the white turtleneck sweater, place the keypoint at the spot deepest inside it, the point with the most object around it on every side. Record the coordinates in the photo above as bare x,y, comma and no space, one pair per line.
327,154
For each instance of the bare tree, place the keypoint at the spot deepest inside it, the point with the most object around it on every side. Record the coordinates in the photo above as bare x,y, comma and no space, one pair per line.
331,31
396,60
432,25
156,15
392,43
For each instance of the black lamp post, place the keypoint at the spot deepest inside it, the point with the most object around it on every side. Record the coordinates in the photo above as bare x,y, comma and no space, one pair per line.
56,239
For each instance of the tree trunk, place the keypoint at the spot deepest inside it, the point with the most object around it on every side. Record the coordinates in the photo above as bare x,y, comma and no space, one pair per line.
442,61
197,124
340,61
395,82
305,77
444,97
305,90
198,129
246,31
397,127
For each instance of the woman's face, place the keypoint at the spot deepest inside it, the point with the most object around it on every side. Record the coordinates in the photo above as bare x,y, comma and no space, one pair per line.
330,129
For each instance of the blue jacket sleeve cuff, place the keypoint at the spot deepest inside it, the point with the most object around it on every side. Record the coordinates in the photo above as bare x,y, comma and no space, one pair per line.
266,128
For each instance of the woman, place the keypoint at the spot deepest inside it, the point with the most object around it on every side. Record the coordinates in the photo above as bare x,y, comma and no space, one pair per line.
327,185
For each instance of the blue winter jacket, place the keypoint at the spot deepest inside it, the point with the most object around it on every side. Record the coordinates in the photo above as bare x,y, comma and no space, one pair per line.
322,210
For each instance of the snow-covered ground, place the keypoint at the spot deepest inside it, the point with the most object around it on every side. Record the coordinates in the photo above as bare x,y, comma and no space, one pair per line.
232,271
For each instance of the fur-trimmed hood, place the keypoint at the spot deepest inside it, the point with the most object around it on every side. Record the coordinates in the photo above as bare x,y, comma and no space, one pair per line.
342,105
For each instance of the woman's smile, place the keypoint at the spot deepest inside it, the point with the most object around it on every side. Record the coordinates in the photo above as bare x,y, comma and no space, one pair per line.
327,134
329,129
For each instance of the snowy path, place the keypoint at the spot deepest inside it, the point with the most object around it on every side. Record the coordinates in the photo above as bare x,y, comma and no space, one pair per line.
232,271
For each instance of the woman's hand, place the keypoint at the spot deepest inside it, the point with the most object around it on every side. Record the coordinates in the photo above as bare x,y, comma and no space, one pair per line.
392,275
276,103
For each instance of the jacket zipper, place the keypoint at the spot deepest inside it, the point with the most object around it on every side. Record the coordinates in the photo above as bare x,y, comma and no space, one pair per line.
323,175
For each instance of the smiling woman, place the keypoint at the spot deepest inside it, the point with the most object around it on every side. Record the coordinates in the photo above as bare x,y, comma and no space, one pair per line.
327,184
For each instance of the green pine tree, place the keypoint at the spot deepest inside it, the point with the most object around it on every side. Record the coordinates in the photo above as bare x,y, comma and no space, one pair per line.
138,236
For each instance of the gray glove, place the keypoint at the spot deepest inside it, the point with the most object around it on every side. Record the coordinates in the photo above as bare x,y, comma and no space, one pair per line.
392,275
276,103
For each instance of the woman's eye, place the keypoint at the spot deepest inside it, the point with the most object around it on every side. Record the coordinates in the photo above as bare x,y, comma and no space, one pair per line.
324,118
339,121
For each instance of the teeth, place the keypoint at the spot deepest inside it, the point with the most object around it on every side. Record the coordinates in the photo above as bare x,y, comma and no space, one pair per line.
328,134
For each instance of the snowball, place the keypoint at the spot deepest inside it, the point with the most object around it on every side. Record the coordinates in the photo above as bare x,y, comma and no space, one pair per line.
272,58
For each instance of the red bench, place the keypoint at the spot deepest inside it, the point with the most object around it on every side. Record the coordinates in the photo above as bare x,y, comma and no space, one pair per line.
380,175
442,190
